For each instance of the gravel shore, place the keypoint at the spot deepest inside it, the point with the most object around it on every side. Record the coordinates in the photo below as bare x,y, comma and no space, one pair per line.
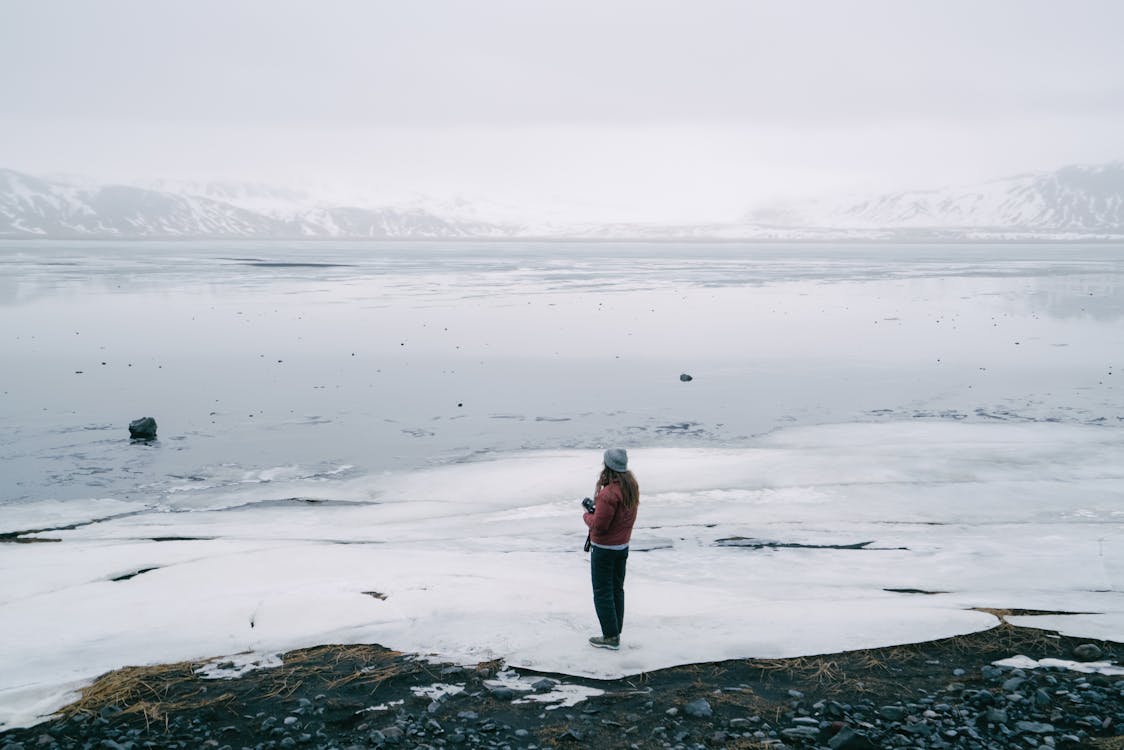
941,694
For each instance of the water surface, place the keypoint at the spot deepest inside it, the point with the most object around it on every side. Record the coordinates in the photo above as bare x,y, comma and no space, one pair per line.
254,356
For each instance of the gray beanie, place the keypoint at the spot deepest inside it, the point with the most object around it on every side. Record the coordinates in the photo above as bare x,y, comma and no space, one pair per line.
617,459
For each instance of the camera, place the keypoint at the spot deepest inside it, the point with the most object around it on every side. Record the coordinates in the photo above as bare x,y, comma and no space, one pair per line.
588,505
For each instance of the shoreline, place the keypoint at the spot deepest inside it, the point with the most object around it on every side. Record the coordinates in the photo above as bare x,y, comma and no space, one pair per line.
937,694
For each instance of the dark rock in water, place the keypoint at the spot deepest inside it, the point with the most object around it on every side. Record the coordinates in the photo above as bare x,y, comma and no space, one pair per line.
686,378
143,429
1087,652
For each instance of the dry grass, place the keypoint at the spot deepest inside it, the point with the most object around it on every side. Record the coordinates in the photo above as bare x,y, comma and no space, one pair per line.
161,690
749,703
373,675
826,673
871,670
1008,637
146,690
360,664
490,667
1107,743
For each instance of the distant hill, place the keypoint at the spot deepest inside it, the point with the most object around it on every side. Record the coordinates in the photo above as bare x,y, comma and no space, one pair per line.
1076,200
1072,203
31,207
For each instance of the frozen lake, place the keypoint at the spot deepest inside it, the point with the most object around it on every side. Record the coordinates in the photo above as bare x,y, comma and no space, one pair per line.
418,421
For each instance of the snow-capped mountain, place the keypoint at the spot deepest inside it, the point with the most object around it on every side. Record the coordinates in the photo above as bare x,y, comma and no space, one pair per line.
1075,200
271,200
32,207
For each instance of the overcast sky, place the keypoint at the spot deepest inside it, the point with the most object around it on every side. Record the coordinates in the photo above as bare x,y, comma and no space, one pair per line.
631,110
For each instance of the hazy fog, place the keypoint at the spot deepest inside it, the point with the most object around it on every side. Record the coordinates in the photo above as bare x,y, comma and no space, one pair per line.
631,110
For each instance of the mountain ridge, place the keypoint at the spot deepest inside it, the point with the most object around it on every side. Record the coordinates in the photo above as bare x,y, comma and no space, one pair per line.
32,207
1078,202
1073,199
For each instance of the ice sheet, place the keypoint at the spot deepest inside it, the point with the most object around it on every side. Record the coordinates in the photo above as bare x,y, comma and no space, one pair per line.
49,514
807,540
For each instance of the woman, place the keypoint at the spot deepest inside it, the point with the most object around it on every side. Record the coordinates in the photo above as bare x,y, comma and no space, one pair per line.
617,497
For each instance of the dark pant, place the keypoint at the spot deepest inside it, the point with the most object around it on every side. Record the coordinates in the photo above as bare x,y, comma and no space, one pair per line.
607,567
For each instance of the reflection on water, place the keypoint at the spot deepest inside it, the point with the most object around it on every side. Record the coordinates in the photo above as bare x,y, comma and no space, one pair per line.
34,269
1097,297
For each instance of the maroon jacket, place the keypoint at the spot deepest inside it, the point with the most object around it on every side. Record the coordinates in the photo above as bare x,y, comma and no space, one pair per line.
611,523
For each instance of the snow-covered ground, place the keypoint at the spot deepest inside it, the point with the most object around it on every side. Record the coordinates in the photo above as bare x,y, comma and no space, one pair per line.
877,442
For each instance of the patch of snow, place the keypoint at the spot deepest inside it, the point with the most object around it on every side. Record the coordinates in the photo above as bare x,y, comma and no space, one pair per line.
560,694
228,667
383,706
1085,667
437,690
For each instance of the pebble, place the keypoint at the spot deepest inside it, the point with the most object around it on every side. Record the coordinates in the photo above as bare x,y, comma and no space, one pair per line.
699,709
990,673
545,685
1013,683
1087,652
996,716
997,709
848,739
502,693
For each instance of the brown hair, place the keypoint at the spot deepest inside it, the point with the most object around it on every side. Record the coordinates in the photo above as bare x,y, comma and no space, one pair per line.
630,489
